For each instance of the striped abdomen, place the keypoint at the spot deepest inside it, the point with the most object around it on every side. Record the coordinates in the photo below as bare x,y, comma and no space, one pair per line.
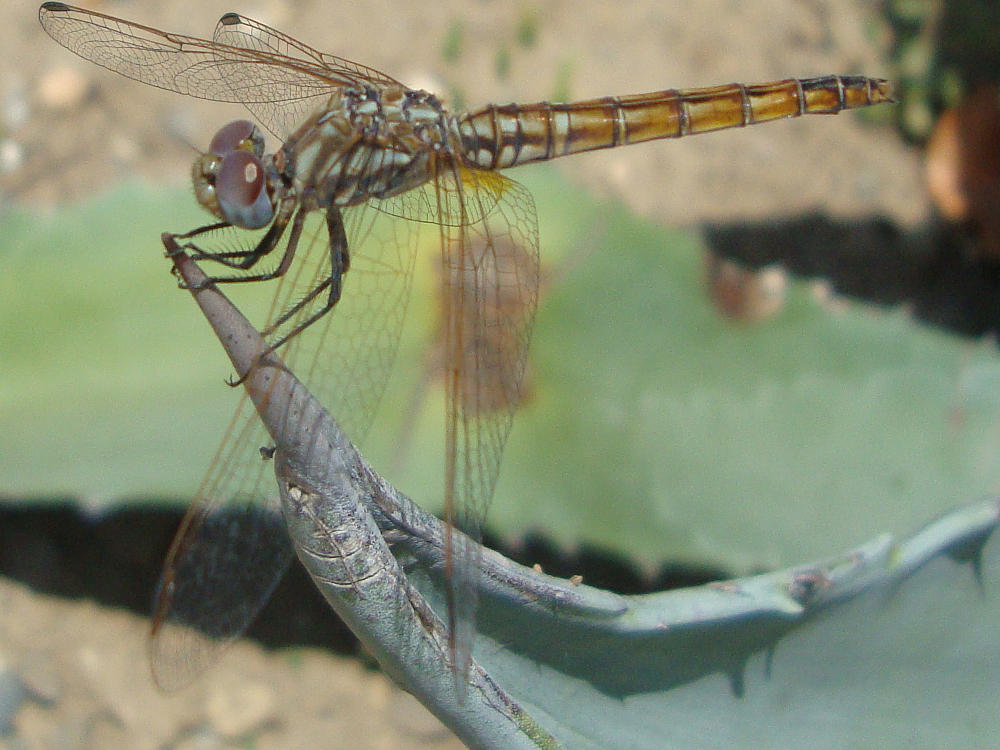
505,136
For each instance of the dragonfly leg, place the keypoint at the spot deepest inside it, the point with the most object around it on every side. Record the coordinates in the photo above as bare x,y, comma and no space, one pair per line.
340,262
225,258
245,259
331,285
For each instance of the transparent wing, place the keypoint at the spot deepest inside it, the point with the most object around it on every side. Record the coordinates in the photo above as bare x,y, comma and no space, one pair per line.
232,548
239,31
455,200
346,357
490,293
226,559
256,66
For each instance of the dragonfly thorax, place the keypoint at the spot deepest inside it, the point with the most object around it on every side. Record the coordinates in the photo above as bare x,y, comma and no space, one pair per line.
395,111
368,143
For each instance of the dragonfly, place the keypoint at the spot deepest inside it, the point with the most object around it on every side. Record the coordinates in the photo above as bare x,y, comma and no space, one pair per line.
366,172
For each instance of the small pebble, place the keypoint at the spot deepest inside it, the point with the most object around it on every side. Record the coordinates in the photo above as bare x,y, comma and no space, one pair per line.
15,109
11,156
63,88
124,149
236,710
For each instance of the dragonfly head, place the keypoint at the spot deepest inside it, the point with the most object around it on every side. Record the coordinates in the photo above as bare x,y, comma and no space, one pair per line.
231,179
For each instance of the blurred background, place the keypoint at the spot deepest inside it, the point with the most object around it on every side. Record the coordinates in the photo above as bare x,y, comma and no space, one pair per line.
754,348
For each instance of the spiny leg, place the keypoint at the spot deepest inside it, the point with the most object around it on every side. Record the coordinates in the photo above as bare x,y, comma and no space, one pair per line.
246,259
224,258
340,262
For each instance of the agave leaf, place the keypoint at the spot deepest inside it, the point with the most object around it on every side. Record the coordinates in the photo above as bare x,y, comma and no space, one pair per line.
892,644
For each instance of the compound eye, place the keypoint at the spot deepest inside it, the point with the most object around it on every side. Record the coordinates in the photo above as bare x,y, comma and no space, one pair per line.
240,187
239,134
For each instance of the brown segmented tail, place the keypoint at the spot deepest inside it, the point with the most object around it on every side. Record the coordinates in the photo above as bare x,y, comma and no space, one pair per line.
504,136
